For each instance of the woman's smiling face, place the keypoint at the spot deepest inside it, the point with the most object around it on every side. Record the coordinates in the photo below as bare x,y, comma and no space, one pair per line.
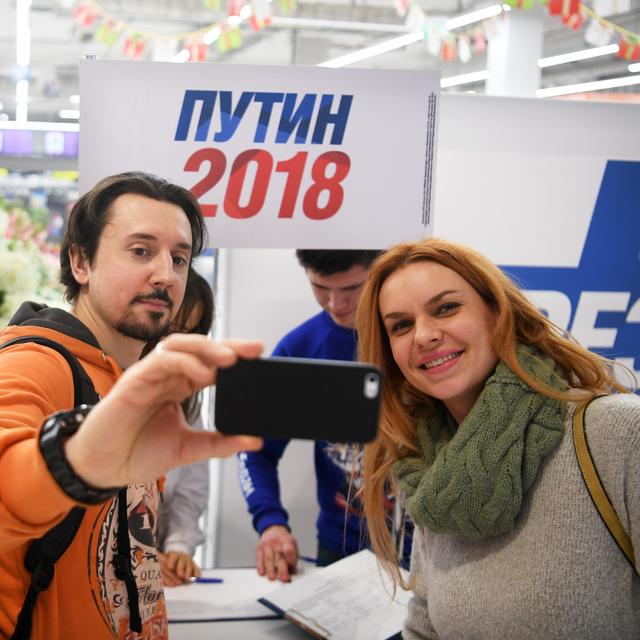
440,332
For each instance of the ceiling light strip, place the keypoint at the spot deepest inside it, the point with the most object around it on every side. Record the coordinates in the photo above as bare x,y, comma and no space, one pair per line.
375,50
585,87
182,56
23,33
38,126
473,16
23,57
212,35
69,114
465,78
583,54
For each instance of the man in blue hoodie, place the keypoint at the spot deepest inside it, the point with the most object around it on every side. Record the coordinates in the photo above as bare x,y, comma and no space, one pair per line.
337,278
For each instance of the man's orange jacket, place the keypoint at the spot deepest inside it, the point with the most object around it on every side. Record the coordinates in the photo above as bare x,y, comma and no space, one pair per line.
85,599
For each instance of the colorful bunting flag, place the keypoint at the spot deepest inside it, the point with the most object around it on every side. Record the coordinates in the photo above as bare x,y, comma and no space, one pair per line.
234,6
260,14
439,41
229,39
256,24
197,50
520,4
84,14
563,7
287,6
134,46
448,50
629,47
574,21
479,42
109,32
401,6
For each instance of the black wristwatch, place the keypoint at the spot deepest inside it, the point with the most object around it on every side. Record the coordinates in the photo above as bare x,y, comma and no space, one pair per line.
57,429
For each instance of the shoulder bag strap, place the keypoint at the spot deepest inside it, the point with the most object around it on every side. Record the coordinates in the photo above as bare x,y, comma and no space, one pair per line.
596,489
83,390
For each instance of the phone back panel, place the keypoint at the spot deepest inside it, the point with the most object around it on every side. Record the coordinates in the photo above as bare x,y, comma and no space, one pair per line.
299,398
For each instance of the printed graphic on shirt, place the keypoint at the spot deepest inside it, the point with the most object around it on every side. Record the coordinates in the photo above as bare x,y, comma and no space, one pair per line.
142,509
246,483
348,458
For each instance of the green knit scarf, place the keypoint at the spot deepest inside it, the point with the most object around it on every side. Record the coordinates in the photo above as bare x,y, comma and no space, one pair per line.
471,478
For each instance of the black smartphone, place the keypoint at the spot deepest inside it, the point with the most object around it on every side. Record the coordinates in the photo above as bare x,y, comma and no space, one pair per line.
299,398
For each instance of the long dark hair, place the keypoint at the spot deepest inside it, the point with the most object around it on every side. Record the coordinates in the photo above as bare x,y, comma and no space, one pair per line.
198,296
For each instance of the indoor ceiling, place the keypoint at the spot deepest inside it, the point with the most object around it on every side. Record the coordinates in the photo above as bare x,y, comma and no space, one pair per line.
58,41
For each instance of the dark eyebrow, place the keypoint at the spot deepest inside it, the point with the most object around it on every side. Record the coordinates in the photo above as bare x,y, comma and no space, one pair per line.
430,302
149,237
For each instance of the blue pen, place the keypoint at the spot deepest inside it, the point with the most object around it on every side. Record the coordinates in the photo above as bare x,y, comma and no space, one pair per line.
208,580
309,559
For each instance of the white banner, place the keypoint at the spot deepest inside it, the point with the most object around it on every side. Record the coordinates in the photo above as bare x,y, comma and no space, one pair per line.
277,156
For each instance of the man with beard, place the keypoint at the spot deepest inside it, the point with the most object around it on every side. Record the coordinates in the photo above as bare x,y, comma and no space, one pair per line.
125,260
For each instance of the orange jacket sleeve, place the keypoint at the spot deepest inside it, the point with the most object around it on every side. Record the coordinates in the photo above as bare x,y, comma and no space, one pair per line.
35,382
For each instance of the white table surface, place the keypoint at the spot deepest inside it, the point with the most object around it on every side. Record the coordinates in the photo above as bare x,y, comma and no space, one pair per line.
239,585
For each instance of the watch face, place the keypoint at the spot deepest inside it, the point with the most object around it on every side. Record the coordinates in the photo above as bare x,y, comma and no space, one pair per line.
69,421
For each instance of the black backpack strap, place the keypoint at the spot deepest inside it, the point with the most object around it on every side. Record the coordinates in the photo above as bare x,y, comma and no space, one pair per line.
122,562
40,560
83,390
44,552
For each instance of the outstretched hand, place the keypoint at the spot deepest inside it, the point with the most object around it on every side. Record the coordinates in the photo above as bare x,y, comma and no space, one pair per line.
138,431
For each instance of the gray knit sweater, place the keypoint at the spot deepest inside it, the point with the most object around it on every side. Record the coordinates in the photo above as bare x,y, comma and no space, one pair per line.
558,574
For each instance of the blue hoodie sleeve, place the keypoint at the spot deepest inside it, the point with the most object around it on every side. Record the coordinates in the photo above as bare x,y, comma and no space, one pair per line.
258,475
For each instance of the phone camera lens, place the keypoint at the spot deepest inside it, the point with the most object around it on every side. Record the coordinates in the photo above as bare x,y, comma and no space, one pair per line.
371,385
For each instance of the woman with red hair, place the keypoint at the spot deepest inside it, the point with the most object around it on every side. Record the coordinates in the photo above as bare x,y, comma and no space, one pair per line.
475,433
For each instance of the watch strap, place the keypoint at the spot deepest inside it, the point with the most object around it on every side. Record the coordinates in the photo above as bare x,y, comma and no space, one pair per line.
56,430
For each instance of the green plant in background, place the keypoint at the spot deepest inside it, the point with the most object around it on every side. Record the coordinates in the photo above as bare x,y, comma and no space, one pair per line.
29,263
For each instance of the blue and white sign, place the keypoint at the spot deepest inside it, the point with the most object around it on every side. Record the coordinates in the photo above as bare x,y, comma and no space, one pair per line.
277,156
598,300
550,190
